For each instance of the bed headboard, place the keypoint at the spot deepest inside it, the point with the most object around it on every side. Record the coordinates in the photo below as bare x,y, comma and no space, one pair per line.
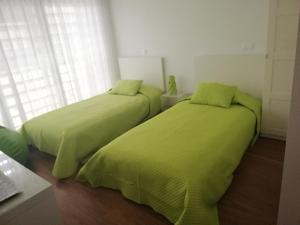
245,71
149,69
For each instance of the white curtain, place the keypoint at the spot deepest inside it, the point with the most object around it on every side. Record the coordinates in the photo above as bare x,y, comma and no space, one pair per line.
52,53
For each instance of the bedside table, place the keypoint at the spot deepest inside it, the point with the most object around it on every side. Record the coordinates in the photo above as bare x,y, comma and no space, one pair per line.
168,100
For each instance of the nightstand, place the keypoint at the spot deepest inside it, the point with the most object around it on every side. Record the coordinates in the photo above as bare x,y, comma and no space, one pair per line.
168,100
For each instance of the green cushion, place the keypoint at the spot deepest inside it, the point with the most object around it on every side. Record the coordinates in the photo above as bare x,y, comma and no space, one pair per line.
127,87
14,145
214,94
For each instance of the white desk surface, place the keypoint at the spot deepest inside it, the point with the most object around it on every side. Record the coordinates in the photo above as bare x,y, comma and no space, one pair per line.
30,185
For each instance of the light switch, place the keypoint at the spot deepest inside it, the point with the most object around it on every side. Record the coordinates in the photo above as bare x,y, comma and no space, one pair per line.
144,52
247,46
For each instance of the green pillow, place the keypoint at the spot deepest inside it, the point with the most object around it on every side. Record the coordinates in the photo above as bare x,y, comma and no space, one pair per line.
127,87
214,94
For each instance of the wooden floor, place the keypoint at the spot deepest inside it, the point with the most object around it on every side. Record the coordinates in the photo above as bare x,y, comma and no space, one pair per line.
252,198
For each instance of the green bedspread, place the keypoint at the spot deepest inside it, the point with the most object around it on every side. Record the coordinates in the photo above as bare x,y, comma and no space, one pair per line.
180,162
75,132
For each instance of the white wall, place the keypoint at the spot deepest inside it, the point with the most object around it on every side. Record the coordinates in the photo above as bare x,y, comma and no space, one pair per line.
181,29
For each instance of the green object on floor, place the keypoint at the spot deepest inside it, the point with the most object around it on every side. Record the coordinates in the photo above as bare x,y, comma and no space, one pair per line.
14,145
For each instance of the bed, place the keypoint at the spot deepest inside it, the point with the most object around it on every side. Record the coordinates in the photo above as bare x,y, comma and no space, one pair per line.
75,132
180,162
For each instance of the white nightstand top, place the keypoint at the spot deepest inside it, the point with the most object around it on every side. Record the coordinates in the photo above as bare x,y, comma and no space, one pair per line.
168,100
178,95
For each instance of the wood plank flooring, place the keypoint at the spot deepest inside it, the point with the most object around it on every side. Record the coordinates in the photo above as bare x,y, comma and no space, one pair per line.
252,199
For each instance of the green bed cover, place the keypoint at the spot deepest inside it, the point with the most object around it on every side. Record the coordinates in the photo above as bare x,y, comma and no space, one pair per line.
76,131
180,162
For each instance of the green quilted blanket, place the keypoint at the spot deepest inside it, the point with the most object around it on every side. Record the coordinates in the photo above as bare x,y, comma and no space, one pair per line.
75,132
180,162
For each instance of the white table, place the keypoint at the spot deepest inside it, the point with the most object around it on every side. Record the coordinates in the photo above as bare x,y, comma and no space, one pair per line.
35,205
168,100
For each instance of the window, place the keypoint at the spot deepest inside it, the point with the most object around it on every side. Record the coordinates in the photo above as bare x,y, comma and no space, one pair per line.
25,73
51,54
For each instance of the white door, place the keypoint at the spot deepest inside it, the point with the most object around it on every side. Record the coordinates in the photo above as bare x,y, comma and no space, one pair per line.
282,38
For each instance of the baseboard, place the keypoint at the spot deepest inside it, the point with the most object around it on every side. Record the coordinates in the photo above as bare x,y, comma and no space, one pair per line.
273,136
